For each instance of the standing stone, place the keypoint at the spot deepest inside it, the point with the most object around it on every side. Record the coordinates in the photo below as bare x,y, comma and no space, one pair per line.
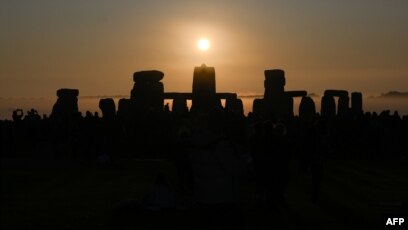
179,105
343,102
66,106
288,109
234,105
124,109
357,102
343,105
108,108
274,83
307,108
204,90
148,92
278,104
239,107
258,107
328,107
230,103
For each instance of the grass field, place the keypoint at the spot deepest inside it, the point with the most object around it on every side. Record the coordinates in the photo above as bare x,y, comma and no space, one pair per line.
353,194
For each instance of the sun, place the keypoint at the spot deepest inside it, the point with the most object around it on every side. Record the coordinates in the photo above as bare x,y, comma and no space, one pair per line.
203,44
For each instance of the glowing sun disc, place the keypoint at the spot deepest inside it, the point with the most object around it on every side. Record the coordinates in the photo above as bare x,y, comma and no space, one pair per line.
203,44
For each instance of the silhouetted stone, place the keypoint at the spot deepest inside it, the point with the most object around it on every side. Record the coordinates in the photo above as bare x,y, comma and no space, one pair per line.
108,108
148,76
179,105
343,105
277,104
230,103
274,83
307,108
297,93
239,107
68,93
336,93
287,105
343,102
234,105
218,102
204,97
357,102
258,107
173,95
124,109
66,106
148,92
276,76
328,106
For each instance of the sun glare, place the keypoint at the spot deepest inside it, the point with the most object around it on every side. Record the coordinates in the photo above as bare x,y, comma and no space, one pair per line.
203,44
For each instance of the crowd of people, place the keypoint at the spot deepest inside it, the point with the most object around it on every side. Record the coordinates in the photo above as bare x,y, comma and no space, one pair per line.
212,151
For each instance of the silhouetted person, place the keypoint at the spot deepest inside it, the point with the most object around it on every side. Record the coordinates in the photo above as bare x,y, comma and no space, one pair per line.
216,169
18,115
315,147
33,115
166,108
161,195
184,169
259,153
280,164
209,152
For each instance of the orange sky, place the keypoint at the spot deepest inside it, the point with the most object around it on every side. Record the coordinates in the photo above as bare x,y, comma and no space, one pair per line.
96,46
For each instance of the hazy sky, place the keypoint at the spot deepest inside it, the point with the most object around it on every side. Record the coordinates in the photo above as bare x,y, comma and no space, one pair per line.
96,45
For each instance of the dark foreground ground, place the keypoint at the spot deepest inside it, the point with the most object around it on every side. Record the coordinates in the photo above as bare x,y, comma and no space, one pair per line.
40,194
